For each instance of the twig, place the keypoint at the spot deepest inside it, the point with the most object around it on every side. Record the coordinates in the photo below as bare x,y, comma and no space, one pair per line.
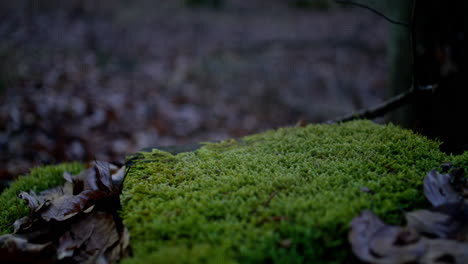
300,44
272,195
400,23
385,107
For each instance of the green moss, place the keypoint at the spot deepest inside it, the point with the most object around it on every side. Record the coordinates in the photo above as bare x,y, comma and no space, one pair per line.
283,196
460,161
39,179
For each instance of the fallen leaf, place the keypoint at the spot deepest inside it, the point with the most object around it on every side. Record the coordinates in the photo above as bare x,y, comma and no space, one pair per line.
445,221
22,224
366,190
445,251
77,222
104,177
373,241
64,207
89,238
435,235
438,190
16,249
31,199
286,243
118,176
446,166
459,181
430,223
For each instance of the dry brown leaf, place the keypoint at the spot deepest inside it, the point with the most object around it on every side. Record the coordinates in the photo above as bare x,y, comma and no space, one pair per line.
438,190
459,182
286,243
373,241
17,249
89,238
85,226
440,251
67,206
445,221
31,198
437,235
430,223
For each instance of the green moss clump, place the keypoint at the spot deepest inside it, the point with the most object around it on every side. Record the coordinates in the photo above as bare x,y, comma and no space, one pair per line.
283,196
39,179
460,161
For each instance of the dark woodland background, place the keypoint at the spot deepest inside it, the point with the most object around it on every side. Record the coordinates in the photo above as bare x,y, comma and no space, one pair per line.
84,80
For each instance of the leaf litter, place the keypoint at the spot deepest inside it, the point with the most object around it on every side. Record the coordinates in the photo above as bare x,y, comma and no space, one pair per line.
73,223
435,235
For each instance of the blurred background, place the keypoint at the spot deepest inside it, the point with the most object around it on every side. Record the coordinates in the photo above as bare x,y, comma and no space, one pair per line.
83,80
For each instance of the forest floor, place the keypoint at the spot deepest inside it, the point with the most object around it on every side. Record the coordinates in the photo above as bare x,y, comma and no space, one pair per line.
89,82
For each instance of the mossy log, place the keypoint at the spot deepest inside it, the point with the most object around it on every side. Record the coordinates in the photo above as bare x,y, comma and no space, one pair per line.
283,196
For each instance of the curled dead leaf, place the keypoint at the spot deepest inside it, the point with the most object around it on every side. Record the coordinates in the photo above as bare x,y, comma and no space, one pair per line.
445,251
286,243
67,206
17,249
31,199
446,221
430,223
89,238
22,224
438,190
366,190
373,241
85,226
436,235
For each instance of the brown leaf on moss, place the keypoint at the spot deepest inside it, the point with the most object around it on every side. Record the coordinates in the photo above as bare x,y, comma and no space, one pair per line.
67,206
445,251
98,177
77,195
23,223
428,222
373,241
92,237
436,235
79,220
445,221
286,243
459,181
438,190
17,249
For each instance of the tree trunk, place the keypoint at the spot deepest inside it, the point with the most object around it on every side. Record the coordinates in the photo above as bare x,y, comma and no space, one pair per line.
440,58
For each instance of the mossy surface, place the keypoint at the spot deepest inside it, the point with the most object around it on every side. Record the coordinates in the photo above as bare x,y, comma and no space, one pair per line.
39,179
283,196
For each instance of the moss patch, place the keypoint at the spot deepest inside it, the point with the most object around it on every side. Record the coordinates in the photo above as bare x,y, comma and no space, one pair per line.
39,179
283,196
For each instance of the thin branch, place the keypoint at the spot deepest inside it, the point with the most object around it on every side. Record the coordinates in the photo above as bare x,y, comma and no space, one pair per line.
387,106
272,195
396,22
300,44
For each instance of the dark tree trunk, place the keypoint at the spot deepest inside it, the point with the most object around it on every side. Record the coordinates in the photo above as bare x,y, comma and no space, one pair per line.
440,32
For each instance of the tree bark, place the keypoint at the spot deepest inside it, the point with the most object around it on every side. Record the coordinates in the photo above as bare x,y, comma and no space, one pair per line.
433,52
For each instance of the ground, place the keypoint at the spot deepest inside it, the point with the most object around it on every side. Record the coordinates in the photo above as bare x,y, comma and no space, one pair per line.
81,80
